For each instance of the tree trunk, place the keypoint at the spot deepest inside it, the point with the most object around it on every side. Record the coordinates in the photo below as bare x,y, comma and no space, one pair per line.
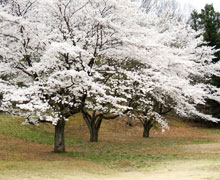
129,121
59,141
94,134
94,123
147,127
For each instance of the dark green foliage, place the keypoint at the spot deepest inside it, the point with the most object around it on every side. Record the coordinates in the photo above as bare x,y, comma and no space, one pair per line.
208,20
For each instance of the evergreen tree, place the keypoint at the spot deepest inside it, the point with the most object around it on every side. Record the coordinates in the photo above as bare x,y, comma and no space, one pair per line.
208,20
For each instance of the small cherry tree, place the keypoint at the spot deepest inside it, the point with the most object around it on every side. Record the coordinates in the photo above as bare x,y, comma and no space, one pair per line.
109,104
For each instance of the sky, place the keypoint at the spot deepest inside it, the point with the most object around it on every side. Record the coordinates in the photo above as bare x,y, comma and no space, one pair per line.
199,4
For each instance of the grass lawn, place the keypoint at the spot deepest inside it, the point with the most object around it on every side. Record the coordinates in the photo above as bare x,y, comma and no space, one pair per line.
26,151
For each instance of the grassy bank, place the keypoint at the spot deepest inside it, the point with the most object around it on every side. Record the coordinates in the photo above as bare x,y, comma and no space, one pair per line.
120,146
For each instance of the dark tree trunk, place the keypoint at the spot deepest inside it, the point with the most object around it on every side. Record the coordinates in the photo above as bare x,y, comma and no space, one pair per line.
147,127
94,123
94,129
59,141
94,135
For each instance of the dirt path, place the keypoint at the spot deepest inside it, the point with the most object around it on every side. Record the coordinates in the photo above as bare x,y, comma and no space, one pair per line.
190,170
181,170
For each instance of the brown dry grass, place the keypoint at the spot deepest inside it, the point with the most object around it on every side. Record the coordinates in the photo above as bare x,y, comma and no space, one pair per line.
184,152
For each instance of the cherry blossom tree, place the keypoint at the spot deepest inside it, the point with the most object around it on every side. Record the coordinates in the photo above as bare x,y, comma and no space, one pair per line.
63,57
49,49
171,80
109,104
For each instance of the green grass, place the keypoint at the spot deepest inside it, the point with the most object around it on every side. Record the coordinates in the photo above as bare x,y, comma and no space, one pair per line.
139,153
201,141
133,152
121,160
12,126
42,134
216,132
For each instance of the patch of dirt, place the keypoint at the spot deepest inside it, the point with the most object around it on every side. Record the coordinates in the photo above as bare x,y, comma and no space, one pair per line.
178,129
181,132
17,150
213,148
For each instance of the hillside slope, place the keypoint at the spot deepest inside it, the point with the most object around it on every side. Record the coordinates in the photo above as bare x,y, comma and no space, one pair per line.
185,151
